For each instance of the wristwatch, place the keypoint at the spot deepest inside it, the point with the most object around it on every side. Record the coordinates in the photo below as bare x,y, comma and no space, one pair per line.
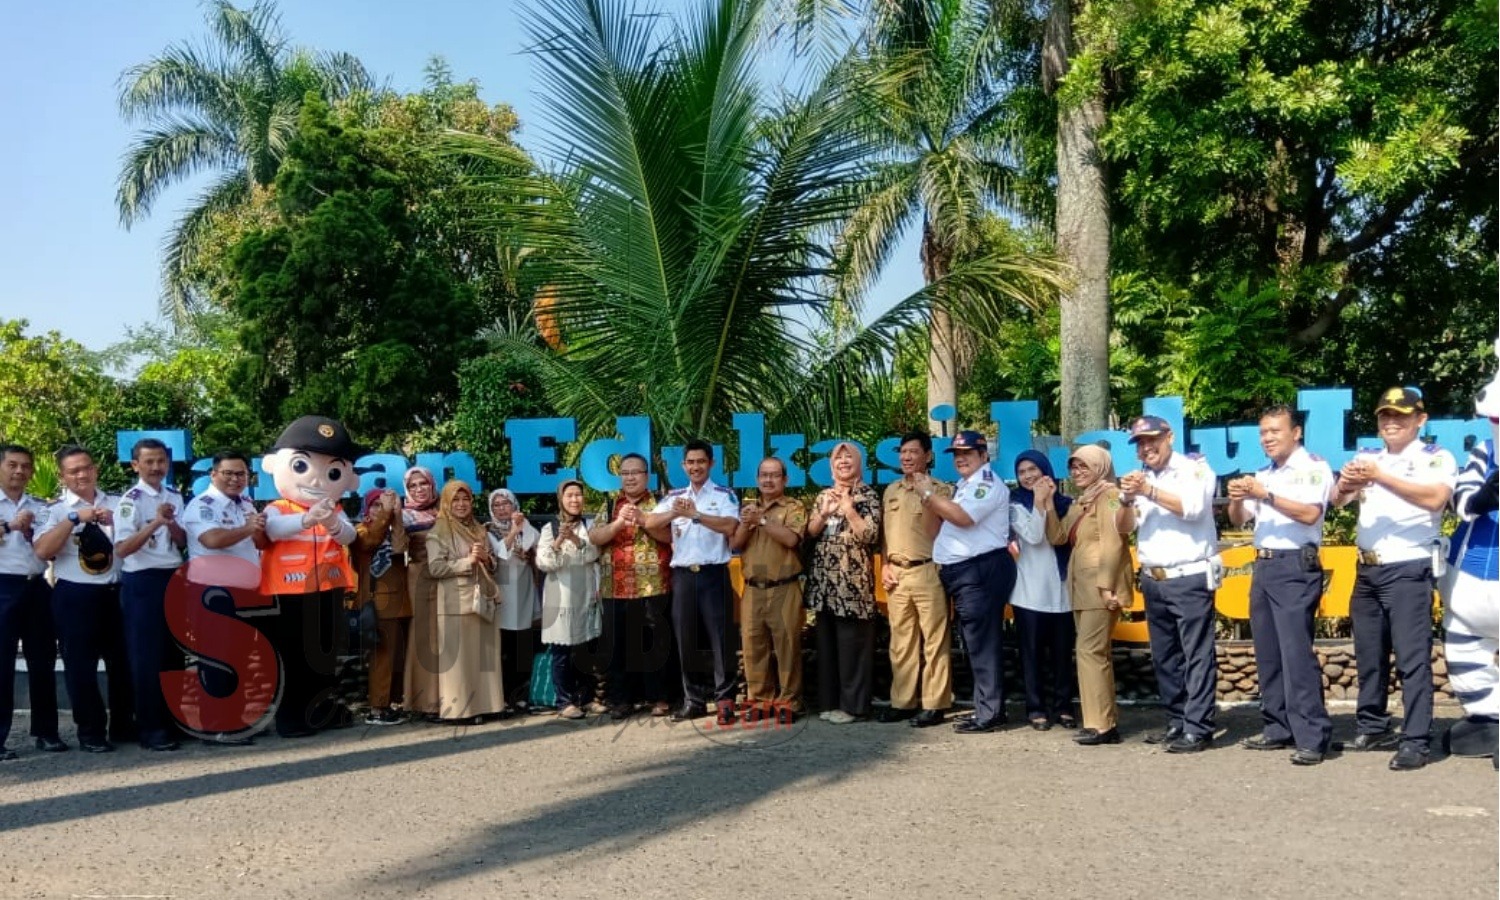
6,526
763,521
1271,499
74,518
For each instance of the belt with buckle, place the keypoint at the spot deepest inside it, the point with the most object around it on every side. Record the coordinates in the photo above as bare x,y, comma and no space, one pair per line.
764,583
1371,558
704,567
909,563
1275,554
1166,573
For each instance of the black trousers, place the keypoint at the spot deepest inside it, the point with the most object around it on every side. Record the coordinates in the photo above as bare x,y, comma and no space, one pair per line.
308,632
1046,644
517,653
846,663
26,616
1283,598
980,588
638,640
573,671
701,615
1180,622
90,629
150,649
1392,609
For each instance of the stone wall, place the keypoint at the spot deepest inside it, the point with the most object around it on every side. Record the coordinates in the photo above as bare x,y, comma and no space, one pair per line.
1135,679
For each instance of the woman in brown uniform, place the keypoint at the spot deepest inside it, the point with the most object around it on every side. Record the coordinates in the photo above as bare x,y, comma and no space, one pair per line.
380,564
1098,580
422,648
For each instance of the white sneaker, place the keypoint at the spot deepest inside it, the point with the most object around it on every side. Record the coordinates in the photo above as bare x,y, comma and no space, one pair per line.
839,717
823,715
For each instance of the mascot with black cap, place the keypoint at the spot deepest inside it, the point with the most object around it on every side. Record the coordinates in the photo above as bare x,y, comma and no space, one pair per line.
306,566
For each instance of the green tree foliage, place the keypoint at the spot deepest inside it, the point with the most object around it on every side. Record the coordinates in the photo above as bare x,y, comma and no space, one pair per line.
686,241
492,390
53,391
348,308
227,106
1319,174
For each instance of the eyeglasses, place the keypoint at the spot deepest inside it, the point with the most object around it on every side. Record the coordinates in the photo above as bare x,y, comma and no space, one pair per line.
230,473
624,472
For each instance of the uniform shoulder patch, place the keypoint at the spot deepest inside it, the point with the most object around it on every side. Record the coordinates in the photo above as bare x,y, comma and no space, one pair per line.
205,513
981,492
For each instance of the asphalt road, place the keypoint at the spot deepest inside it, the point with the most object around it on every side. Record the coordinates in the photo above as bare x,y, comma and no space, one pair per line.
545,808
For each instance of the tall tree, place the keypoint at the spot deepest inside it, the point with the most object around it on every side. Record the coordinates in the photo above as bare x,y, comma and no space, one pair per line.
227,107
686,238
348,307
1083,220
945,158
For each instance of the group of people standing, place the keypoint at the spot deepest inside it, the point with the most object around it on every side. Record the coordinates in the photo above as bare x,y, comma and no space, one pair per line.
639,596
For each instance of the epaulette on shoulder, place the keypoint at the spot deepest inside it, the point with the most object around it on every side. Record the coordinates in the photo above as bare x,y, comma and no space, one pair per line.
205,499
1432,448
133,494
723,490
171,490
1195,457
1368,450
1315,457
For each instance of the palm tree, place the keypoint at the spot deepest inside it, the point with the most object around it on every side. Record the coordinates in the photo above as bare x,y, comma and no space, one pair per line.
687,236
937,115
228,108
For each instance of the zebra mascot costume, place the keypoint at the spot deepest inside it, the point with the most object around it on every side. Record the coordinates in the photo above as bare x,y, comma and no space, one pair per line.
1471,599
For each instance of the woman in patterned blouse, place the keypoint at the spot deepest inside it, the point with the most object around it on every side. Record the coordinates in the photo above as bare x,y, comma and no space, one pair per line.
844,528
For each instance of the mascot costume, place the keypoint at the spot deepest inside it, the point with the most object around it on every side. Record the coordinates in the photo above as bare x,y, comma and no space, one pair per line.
1471,599
306,566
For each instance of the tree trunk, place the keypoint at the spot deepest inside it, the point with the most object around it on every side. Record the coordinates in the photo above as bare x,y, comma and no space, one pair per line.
1082,240
943,339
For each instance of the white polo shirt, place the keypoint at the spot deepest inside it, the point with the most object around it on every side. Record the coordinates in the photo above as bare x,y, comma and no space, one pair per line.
1166,540
693,543
1395,529
65,564
987,501
212,510
137,508
1304,478
16,556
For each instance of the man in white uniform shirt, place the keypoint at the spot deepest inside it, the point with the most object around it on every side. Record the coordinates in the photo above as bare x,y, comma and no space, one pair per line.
222,520
1402,489
702,516
1287,499
86,600
1177,547
25,606
972,548
148,542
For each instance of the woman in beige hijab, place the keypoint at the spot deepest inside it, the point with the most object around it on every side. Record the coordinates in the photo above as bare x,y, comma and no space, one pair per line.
459,559
1098,580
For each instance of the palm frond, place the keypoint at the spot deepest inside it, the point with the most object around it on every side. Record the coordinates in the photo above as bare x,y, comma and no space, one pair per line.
184,242
178,148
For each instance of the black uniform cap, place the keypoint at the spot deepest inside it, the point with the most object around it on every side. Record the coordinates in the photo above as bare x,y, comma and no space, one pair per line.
319,434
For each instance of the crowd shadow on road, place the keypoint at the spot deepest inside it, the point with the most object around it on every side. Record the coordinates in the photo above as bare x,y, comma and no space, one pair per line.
362,754
710,778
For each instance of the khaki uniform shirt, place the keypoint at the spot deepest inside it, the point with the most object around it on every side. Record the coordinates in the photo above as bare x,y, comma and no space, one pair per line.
763,559
906,539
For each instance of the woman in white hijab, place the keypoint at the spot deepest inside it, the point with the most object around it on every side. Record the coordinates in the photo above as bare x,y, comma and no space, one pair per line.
513,543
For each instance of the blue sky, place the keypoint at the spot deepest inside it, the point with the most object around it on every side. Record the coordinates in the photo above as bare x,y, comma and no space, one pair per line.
68,264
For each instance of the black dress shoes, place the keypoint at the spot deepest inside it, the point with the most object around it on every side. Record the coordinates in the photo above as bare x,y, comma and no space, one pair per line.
96,746
687,712
1380,740
1261,742
927,718
1090,737
970,726
1302,757
1410,757
893,714
51,745
228,741
1191,743
1166,736
162,746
